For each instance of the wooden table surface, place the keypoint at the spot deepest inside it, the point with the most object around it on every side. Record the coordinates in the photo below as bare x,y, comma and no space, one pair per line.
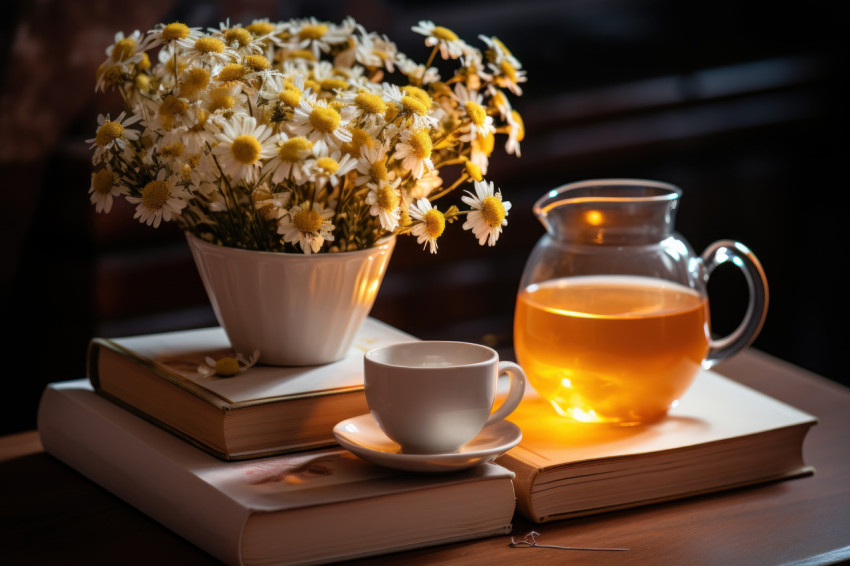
50,514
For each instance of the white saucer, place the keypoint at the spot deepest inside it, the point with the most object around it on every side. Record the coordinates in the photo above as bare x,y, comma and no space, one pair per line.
362,436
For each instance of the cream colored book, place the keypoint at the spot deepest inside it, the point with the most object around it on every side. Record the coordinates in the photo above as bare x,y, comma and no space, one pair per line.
265,410
309,507
721,435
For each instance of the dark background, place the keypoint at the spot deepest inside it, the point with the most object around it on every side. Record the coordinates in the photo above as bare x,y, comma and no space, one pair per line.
740,103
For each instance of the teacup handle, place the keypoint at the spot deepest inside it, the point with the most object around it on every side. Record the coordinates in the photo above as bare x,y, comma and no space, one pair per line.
515,393
719,253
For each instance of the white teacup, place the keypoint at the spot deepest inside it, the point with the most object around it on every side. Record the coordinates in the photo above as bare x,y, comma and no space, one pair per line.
433,396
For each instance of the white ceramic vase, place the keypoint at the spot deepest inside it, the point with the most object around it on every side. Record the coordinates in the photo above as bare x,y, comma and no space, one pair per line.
296,309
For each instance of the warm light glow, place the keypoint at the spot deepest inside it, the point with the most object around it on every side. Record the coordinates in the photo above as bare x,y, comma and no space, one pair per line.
593,217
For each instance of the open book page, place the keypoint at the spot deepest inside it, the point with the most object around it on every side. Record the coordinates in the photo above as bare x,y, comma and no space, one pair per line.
180,353
713,409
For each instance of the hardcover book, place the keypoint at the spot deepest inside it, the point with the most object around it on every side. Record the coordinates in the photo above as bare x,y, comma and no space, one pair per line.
265,410
721,435
316,506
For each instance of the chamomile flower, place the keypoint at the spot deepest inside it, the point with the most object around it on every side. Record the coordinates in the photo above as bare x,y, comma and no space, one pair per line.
242,147
307,225
372,165
429,223
112,134
516,133
160,199
103,188
321,123
448,42
239,39
414,151
371,50
329,167
315,36
385,201
228,366
417,72
208,51
175,33
480,123
497,51
488,213
271,205
121,59
288,163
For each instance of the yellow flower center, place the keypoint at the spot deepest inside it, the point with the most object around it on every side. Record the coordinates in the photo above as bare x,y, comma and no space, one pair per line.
231,72
520,125
221,100
202,121
291,150
473,171
493,211
240,35
142,81
226,367
301,54
108,132
260,28
324,119
174,31
123,49
484,144
378,170
173,106
155,194
475,112
499,99
209,45
246,149
195,80
307,220
102,181
371,103
501,45
145,63
257,62
111,75
290,97
173,150
388,198
359,138
435,223
328,164
313,31
414,105
420,144
418,94
186,172
333,84
444,34
508,71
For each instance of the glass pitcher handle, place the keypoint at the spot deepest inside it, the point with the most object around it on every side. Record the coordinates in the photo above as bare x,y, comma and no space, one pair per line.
719,253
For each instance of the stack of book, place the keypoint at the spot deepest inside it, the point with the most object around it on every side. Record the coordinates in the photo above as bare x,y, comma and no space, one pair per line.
247,468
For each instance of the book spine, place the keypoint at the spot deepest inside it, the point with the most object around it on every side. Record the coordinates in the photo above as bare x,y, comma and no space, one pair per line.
110,450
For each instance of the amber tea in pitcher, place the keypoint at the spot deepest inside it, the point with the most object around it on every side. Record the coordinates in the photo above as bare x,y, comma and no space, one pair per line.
612,316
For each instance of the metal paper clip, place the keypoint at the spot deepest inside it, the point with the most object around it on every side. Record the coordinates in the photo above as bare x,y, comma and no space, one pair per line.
530,540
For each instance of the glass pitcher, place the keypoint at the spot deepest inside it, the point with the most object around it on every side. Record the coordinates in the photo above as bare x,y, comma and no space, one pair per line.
612,318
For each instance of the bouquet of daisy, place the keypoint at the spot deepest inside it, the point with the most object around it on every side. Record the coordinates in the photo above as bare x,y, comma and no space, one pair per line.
304,136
